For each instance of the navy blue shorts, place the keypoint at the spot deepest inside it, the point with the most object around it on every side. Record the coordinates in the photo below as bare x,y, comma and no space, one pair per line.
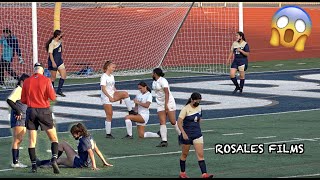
189,141
14,122
235,64
79,163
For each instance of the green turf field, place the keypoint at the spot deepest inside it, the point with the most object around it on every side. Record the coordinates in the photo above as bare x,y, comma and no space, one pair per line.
140,157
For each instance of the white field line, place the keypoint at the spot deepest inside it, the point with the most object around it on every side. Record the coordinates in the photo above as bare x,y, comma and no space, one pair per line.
266,137
205,119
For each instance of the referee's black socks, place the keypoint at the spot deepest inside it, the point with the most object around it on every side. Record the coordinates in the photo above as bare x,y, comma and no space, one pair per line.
54,150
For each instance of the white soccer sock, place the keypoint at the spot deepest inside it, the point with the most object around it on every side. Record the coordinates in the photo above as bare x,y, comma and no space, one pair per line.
129,127
108,127
150,134
163,132
128,103
176,127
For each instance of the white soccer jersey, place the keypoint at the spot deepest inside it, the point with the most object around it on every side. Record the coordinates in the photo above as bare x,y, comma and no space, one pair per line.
108,81
158,86
143,98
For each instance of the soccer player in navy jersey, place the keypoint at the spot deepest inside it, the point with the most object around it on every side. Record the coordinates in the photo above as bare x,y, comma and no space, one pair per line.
86,148
189,125
55,61
240,49
17,120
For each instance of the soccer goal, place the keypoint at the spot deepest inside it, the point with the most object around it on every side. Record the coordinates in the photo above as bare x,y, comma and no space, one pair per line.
138,37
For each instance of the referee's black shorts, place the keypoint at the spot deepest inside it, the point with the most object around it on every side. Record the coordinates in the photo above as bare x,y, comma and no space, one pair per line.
39,116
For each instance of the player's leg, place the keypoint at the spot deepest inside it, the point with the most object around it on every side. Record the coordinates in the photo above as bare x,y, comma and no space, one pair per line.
136,118
70,153
242,70
53,73
63,74
163,127
119,95
18,134
198,146
109,113
183,158
172,116
233,77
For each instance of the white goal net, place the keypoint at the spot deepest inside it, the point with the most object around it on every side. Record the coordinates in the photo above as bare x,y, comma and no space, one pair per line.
138,37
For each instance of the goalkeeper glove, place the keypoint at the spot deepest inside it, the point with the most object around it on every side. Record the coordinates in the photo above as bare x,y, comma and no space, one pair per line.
21,61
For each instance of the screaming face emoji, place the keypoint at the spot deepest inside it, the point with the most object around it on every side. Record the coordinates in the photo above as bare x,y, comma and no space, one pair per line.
291,26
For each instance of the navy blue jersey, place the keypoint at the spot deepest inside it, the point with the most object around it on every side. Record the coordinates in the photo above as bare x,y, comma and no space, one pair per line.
238,56
191,117
85,143
56,49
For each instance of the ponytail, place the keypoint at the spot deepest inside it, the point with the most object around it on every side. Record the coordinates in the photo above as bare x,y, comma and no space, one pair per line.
56,33
48,43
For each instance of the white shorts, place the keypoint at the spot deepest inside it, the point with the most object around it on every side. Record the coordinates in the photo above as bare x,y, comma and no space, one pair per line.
105,100
171,106
198,140
145,118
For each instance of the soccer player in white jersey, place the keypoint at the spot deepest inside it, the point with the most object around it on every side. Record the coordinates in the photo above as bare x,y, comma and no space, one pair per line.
142,103
110,94
166,105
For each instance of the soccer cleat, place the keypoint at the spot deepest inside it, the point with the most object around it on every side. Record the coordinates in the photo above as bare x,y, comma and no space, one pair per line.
206,175
162,144
240,91
183,175
127,137
235,90
159,133
55,166
109,136
18,165
132,112
34,168
61,93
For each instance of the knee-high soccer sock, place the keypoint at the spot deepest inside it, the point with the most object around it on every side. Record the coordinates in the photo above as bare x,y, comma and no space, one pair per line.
61,81
32,155
108,127
235,82
54,150
15,155
182,165
163,132
127,101
129,127
177,128
203,167
242,83
150,134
